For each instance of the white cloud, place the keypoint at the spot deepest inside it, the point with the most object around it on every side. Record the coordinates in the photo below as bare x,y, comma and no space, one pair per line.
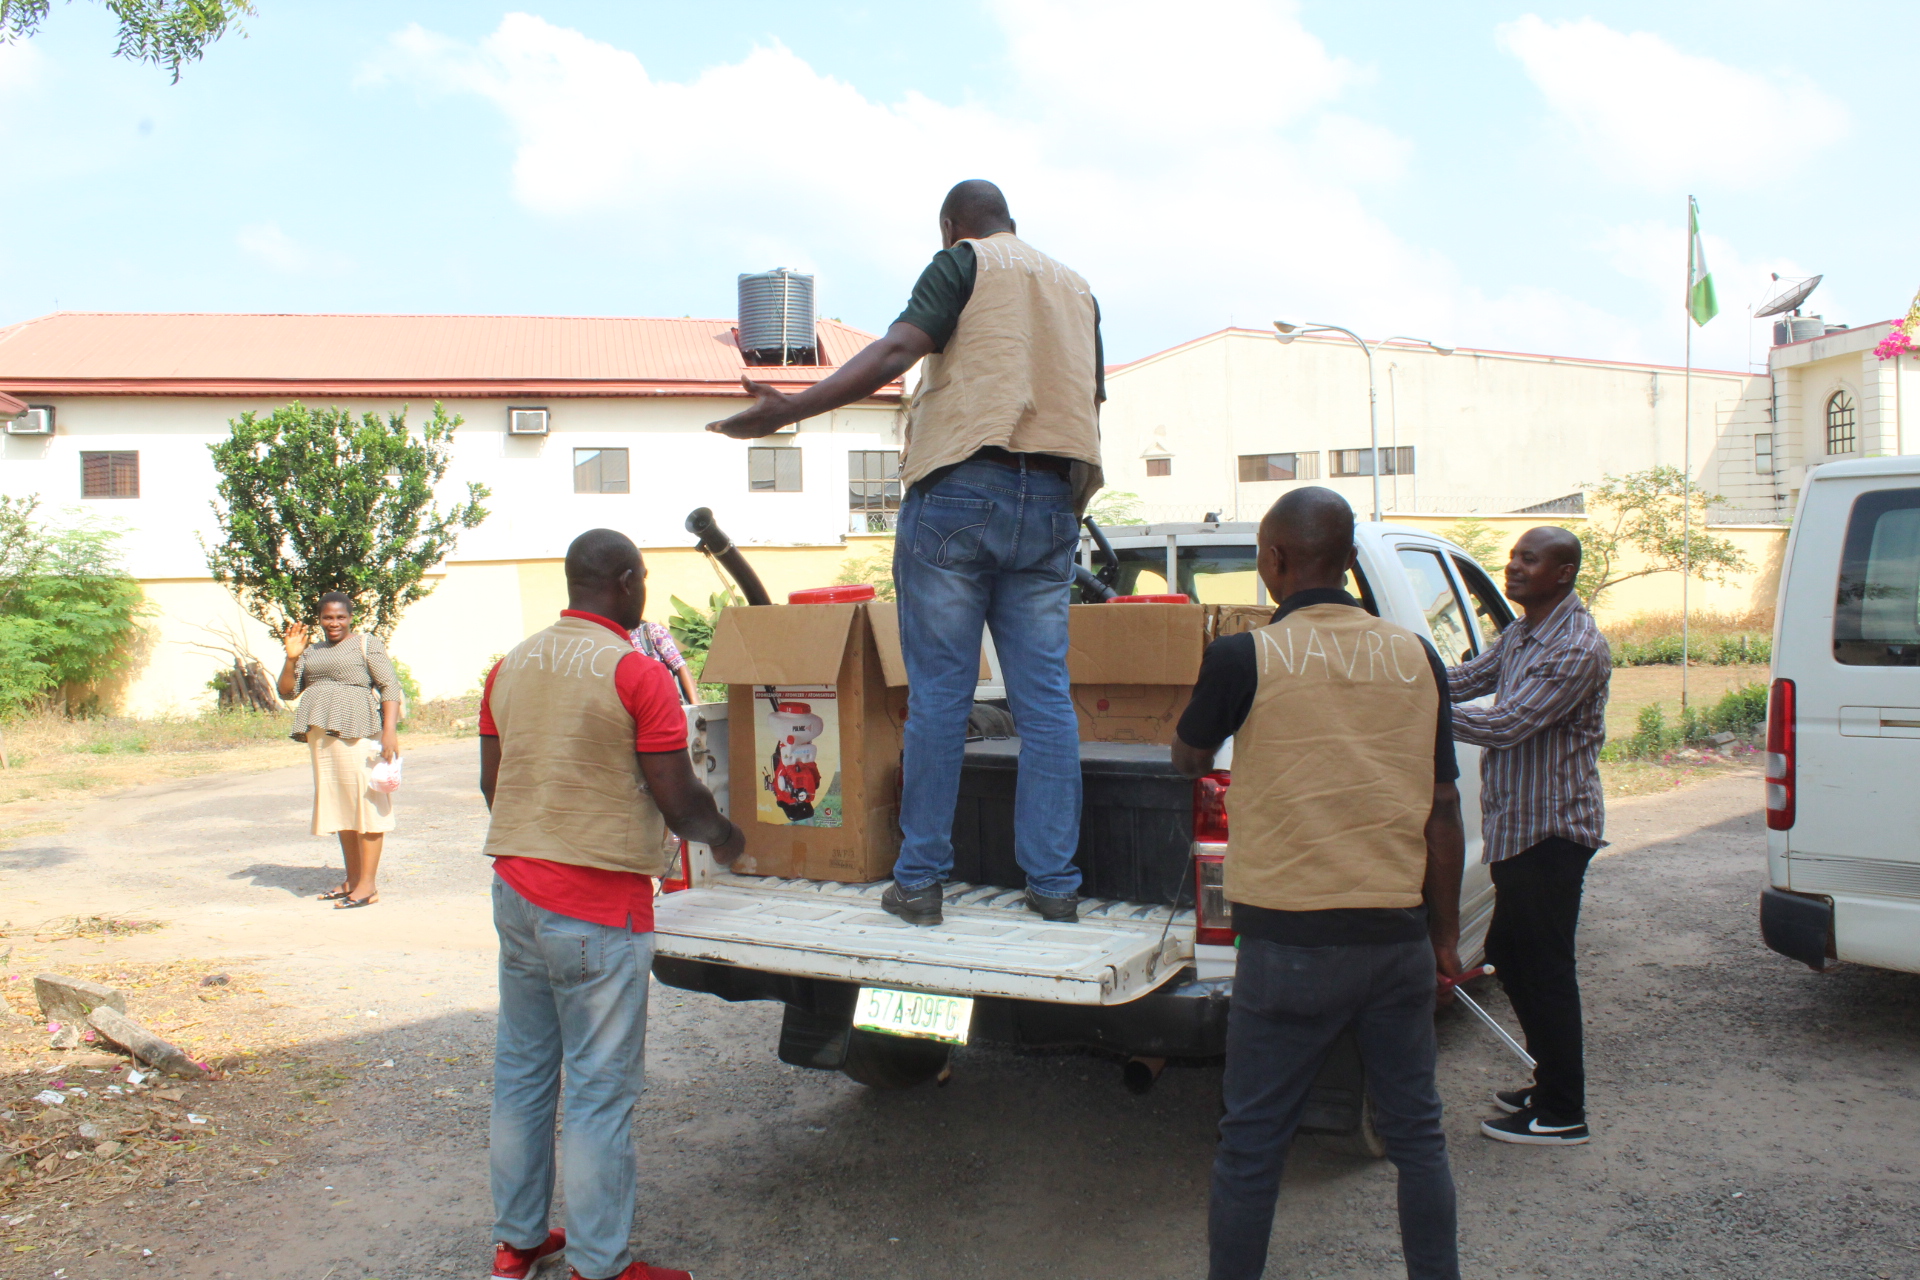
267,244
1191,164
1651,114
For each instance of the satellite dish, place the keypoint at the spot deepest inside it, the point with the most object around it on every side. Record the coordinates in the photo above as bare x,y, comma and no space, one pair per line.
1790,298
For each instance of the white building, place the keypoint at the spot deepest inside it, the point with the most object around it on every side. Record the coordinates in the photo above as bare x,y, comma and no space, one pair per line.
571,423
1226,422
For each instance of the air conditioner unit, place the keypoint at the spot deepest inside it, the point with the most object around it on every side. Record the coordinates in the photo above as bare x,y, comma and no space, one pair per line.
526,422
36,421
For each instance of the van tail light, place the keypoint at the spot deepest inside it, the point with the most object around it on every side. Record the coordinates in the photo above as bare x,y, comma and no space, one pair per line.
1213,919
1781,739
1210,807
682,877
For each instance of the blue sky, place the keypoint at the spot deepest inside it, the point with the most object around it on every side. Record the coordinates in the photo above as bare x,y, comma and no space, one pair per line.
1486,174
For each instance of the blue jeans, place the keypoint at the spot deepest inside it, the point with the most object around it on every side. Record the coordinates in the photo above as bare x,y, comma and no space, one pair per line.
988,545
572,994
1289,1005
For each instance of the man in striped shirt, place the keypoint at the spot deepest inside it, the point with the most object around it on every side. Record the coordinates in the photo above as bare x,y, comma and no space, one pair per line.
1541,817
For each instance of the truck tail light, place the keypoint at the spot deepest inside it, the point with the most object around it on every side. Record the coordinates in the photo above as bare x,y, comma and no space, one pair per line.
1210,807
1213,918
682,876
1780,755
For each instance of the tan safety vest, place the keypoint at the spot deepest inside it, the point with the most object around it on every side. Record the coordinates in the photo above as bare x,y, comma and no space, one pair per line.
1333,769
569,788
1018,371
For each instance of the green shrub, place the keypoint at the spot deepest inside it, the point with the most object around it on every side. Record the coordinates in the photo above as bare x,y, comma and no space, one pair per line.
69,611
1740,711
1740,649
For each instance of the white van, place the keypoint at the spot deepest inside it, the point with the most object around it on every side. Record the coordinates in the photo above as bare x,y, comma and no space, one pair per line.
1843,723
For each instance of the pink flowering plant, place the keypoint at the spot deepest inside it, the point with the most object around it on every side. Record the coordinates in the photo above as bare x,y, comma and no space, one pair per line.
1901,340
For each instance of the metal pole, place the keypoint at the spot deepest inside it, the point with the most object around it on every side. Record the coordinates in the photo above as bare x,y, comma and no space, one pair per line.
1686,474
1373,427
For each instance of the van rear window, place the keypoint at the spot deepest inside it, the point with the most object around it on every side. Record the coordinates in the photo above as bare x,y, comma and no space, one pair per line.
1877,621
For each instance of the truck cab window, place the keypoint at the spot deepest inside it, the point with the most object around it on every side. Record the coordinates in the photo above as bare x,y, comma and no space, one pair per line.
1439,603
1491,612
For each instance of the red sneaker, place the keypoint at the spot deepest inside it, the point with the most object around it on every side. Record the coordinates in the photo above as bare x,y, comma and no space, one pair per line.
638,1270
510,1263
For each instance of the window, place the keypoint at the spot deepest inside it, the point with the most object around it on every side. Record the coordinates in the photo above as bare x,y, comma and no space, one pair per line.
1491,612
600,471
873,479
1255,467
1359,462
1159,466
1840,430
1446,619
110,475
526,422
1877,619
773,470
1763,454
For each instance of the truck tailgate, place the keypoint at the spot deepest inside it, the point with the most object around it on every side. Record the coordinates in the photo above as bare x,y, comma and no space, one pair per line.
990,944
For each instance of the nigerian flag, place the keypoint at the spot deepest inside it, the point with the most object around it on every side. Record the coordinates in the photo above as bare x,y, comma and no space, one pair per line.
1701,304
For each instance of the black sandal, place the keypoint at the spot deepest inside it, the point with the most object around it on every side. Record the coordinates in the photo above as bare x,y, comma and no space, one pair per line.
337,894
349,902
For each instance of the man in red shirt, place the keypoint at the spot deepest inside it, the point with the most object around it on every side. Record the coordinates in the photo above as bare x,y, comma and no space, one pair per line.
583,762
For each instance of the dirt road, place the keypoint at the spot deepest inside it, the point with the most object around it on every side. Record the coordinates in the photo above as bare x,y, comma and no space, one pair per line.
1752,1119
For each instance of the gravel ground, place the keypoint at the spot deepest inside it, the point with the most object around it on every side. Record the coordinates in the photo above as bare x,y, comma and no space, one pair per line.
1752,1118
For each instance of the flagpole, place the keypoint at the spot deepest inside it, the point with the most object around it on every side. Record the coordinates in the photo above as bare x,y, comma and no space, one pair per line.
1686,475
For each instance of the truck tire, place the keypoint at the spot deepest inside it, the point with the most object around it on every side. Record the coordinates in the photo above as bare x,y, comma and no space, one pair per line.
1364,1141
893,1062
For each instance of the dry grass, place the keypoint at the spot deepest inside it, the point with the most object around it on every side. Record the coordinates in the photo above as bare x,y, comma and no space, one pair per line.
54,758
1635,687
1644,627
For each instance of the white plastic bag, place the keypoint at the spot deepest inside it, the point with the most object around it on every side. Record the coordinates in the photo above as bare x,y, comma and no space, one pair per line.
385,775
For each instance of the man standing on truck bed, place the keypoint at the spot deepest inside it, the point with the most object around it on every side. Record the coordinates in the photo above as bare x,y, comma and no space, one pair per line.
583,762
1542,810
1002,453
1343,870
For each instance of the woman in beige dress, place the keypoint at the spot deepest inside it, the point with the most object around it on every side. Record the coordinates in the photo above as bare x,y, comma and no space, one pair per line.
349,708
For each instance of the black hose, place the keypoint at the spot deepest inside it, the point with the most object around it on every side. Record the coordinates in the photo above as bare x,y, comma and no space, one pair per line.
1109,562
1092,590
716,543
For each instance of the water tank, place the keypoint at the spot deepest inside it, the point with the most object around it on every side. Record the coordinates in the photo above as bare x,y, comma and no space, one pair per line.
776,318
1797,328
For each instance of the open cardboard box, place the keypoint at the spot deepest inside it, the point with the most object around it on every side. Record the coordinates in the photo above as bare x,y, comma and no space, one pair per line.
1133,668
816,696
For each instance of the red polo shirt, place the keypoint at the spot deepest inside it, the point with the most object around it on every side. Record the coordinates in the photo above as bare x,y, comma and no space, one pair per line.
592,893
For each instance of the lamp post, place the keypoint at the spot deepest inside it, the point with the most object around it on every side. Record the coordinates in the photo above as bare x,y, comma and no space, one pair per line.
1287,332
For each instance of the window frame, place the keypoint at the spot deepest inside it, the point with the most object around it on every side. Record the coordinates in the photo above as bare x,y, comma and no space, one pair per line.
1165,466
1852,647
1766,453
1494,603
1464,612
799,474
1306,466
599,452
861,489
117,462
1842,402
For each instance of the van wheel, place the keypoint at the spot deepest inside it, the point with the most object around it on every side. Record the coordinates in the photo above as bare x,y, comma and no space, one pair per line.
1364,1140
893,1062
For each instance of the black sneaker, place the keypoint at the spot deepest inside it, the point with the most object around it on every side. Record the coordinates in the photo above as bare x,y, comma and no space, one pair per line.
915,906
1053,909
1529,1126
1514,1101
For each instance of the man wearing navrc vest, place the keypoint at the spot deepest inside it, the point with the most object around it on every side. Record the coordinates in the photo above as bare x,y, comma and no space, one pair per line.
1002,453
1343,870
583,761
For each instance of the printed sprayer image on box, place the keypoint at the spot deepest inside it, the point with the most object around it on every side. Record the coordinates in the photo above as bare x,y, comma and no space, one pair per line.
796,731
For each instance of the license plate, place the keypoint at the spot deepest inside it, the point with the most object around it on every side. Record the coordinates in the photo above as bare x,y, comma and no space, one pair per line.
913,1013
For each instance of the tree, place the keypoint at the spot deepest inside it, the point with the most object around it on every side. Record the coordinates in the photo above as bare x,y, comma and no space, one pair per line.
68,608
1641,512
1481,541
166,33
875,570
312,501
1115,508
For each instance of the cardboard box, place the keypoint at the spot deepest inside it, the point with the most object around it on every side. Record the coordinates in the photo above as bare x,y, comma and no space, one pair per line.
1132,667
816,695
1233,619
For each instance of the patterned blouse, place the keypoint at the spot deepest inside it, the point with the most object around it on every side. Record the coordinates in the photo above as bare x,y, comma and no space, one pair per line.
656,641
337,687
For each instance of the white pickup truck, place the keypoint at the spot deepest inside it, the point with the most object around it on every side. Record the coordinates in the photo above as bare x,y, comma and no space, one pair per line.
1142,981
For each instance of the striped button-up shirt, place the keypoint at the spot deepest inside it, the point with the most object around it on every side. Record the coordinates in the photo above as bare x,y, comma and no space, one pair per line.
1540,774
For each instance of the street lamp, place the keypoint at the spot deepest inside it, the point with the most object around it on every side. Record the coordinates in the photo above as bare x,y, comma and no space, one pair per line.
1287,332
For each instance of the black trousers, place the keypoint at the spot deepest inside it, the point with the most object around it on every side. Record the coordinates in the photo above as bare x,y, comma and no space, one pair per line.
1530,946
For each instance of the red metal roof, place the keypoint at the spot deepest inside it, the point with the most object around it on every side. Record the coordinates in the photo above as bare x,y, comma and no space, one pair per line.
11,407
132,353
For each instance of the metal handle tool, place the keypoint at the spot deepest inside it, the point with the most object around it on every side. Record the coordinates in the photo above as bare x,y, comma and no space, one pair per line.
1474,1006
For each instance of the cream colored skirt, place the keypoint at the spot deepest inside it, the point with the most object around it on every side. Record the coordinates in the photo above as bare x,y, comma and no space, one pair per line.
342,800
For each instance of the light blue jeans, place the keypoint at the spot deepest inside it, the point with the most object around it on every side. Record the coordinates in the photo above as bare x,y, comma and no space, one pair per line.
988,545
572,994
